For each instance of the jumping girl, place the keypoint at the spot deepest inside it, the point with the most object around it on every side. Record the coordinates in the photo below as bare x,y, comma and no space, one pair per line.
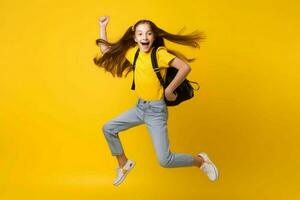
150,108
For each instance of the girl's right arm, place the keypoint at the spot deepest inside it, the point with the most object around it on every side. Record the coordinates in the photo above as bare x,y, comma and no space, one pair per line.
103,21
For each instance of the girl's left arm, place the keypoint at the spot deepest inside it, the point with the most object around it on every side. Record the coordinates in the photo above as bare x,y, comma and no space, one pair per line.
183,70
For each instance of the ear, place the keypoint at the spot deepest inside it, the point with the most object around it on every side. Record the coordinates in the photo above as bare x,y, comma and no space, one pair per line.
135,39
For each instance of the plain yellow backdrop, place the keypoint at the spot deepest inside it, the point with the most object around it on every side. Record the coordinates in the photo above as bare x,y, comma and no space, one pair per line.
54,101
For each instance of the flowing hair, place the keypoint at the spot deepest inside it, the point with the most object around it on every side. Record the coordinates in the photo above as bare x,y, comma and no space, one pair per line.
114,61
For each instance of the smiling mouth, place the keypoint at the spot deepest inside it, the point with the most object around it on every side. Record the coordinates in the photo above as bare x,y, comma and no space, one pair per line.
145,44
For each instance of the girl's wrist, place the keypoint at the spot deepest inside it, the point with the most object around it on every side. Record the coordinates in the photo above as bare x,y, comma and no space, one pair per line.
168,90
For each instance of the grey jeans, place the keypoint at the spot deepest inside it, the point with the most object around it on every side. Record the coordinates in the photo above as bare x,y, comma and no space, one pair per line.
155,115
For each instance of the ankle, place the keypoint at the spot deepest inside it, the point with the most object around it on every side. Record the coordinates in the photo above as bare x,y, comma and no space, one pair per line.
122,160
198,161
122,164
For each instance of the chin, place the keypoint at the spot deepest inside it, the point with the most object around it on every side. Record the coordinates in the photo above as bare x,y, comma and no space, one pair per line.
143,49
146,50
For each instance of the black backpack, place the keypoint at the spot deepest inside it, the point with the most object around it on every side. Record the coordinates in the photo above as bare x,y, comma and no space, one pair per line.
184,91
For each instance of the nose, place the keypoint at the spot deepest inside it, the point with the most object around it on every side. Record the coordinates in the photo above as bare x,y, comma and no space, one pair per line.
144,36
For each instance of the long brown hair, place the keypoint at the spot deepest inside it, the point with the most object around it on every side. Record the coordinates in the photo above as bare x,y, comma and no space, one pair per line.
114,59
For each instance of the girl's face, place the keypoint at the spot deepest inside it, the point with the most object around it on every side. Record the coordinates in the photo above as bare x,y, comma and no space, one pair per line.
144,36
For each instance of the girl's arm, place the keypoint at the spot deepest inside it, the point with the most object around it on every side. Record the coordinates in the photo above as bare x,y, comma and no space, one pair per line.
103,21
183,70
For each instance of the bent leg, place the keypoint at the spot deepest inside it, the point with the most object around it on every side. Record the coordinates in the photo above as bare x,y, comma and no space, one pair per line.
122,122
157,126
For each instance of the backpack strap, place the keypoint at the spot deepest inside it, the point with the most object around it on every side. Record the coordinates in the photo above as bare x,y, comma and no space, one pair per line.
155,66
133,66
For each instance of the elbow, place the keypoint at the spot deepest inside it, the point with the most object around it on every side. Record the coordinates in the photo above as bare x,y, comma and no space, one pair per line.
188,68
185,69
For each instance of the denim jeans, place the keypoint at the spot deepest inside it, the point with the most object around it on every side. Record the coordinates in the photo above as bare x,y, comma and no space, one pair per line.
155,115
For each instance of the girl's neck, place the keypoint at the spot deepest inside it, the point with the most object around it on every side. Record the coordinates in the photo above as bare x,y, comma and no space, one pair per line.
146,52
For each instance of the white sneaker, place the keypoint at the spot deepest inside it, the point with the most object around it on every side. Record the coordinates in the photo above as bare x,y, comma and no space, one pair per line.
122,172
208,167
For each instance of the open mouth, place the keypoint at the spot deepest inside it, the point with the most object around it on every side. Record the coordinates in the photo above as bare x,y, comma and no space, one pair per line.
145,44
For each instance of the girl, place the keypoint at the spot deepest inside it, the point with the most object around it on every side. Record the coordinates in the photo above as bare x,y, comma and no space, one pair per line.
150,108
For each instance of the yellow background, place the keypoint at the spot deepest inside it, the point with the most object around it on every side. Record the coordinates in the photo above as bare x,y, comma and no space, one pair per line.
54,101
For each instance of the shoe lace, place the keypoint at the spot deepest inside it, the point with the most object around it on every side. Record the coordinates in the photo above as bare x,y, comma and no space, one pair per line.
205,166
119,169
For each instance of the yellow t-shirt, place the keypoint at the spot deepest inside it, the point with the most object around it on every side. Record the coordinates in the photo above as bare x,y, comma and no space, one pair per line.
147,85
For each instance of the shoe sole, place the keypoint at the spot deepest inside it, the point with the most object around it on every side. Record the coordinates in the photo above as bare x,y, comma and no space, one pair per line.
122,179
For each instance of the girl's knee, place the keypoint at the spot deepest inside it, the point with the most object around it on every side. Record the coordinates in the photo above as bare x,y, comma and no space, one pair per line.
107,129
165,162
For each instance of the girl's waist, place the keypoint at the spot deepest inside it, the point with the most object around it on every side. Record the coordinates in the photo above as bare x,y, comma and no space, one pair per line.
143,101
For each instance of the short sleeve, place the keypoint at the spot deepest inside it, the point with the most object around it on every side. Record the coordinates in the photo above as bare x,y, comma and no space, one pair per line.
164,57
130,54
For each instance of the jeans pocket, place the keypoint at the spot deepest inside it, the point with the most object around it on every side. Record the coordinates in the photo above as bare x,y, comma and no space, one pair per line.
158,108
